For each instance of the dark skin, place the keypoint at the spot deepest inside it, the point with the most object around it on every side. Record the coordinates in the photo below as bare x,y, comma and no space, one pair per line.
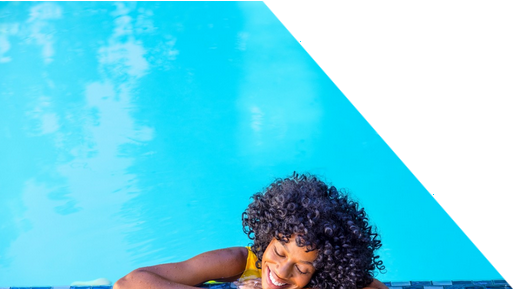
225,265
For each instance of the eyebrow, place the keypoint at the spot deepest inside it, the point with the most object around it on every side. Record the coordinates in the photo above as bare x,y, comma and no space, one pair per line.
300,261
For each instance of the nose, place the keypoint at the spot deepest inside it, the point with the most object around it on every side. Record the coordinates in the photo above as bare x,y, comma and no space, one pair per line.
283,270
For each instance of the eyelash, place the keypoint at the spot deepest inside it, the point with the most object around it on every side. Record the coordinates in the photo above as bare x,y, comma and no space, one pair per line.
300,272
276,252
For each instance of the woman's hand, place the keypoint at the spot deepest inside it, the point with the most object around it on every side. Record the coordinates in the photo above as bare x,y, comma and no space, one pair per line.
249,284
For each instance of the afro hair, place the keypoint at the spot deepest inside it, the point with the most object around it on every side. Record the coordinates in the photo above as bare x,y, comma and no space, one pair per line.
323,219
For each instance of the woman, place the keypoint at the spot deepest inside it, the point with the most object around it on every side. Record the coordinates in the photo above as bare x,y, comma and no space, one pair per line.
306,235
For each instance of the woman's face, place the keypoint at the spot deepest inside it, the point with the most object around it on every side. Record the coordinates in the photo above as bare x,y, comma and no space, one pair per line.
286,265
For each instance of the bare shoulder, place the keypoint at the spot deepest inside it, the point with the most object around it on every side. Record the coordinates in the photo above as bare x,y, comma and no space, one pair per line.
222,264
376,284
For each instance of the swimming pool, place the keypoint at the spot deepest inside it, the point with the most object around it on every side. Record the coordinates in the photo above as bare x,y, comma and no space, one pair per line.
134,134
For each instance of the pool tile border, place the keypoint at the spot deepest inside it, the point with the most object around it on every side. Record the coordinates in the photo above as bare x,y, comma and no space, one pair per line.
457,284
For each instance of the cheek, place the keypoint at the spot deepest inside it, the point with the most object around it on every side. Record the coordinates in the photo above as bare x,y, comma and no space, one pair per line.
268,257
264,278
304,280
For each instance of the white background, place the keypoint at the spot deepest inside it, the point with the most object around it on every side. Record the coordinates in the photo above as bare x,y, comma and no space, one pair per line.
435,80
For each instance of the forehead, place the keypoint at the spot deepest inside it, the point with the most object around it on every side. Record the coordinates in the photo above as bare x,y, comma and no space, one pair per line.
299,253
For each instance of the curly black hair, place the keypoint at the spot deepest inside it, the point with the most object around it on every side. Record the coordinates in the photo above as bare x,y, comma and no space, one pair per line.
324,219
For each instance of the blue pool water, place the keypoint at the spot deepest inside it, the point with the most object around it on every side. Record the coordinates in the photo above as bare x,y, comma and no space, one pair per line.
134,134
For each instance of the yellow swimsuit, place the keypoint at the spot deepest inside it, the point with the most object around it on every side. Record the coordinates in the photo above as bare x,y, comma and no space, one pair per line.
251,271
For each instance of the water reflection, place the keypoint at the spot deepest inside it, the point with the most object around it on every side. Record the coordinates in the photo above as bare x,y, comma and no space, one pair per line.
6,30
41,28
93,128
84,142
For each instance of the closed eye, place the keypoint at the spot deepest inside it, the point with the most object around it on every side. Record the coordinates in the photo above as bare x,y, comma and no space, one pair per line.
276,252
299,270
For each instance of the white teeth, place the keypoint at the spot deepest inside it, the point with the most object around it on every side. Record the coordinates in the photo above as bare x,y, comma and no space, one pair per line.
276,283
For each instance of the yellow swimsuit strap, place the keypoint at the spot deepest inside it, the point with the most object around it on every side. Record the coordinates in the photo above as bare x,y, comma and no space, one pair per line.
251,271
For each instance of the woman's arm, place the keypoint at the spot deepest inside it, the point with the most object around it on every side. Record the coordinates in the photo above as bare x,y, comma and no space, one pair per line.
225,264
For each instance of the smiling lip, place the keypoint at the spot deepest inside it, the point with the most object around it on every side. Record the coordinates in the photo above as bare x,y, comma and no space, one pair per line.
271,283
